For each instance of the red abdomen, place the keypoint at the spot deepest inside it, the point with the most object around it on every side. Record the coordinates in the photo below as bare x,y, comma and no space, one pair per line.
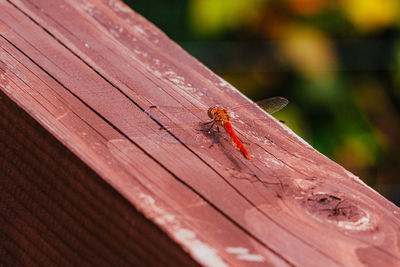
235,139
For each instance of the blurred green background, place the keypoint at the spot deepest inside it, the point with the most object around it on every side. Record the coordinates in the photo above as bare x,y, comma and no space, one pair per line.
338,63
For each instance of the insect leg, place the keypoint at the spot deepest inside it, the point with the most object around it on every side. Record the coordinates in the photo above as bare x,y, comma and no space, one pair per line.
206,123
212,125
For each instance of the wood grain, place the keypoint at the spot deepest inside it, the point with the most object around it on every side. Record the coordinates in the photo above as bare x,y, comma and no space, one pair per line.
89,70
56,211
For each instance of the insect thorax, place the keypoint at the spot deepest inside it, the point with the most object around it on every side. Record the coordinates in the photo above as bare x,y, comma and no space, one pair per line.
219,115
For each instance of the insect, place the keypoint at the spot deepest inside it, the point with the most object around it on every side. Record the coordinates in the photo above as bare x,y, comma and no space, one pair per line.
220,117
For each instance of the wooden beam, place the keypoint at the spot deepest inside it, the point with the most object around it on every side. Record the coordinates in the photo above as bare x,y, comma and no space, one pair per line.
128,102
57,211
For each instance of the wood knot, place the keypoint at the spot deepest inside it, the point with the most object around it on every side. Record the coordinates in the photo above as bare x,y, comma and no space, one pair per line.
343,212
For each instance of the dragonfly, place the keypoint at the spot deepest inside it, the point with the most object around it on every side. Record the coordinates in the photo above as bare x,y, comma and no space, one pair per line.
220,116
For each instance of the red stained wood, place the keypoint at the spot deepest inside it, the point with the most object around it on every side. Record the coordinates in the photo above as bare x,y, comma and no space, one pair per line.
56,211
88,71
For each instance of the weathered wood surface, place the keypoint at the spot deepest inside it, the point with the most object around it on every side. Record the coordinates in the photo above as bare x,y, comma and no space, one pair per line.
55,211
86,70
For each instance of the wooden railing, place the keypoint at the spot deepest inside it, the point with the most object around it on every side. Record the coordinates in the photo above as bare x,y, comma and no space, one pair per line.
97,103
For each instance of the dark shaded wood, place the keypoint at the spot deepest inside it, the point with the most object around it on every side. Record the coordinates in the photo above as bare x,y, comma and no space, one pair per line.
57,211
88,71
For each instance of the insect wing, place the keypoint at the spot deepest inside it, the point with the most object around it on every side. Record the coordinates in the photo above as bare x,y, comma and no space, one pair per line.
175,125
273,104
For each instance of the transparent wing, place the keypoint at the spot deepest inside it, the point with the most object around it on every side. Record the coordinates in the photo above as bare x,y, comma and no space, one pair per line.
270,105
175,110
273,104
184,123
